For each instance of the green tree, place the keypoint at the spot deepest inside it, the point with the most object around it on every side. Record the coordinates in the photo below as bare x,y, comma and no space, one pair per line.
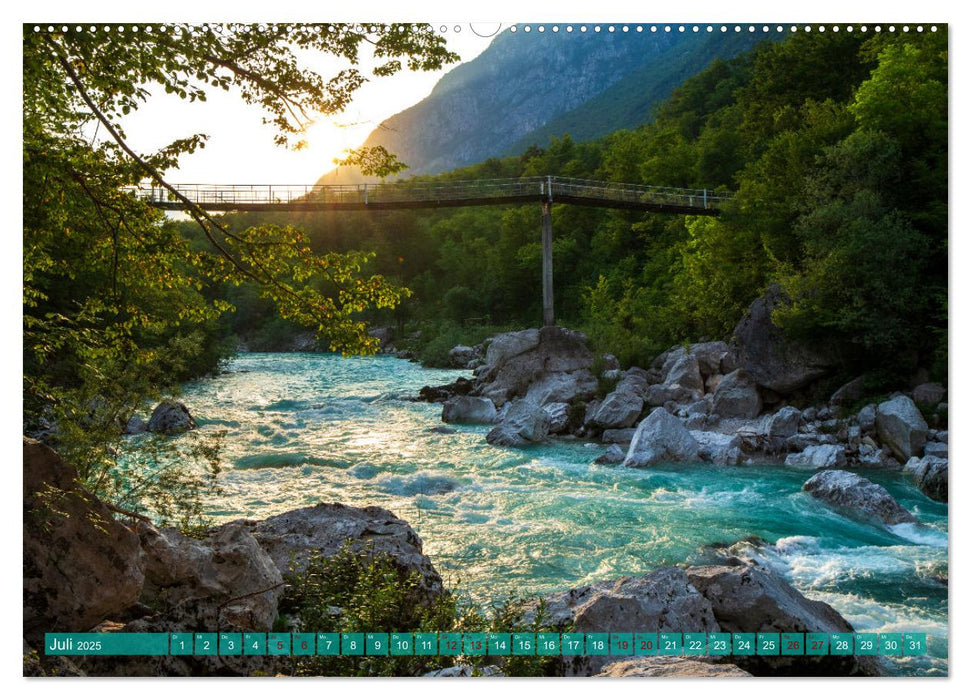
118,305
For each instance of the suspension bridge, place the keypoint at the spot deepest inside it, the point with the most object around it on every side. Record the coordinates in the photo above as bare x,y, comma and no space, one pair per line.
416,194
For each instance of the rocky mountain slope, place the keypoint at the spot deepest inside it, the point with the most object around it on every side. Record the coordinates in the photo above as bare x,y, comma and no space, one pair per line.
526,88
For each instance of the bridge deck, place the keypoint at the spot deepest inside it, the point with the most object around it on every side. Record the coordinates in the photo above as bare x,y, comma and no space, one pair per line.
424,195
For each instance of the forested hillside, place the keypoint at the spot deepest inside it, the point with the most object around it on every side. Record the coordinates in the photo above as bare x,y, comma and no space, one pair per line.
837,148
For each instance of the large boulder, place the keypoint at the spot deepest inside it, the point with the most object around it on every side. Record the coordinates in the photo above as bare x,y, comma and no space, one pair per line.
620,409
856,496
774,361
224,581
783,423
384,335
685,373
662,601
171,417
290,538
930,475
749,598
661,438
818,457
737,396
555,359
562,387
901,427
79,563
712,357
929,394
522,422
443,392
849,393
671,667
469,409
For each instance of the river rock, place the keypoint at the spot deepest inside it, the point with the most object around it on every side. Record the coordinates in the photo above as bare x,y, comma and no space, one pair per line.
79,563
930,475
562,387
818,457
901,427
783,423
867,418
849,393
465,671
711,357
435,394
463,357
620,409
469,409
614,455
610,362
559,415
171,417
291,537
384,336
671,667
661,438
620,436
662,601
684,372
750,598
935,449
521,423
718,448
929,394
857,496
775,362
136,425
737,396
225,581
555,359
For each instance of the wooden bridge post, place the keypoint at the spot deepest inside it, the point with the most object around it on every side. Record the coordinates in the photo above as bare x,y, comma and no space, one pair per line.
548,319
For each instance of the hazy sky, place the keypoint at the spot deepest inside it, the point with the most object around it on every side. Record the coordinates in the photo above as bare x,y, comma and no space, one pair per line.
240,148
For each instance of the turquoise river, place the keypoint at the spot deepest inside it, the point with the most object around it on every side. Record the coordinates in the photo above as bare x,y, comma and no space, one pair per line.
305,428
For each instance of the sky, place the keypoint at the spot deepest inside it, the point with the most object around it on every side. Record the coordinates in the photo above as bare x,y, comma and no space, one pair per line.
240,149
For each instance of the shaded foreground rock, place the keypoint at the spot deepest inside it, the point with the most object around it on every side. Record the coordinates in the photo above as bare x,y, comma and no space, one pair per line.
671,667
856,496
79,563
662,600
224,581
326,527
751,599
724,598
171,417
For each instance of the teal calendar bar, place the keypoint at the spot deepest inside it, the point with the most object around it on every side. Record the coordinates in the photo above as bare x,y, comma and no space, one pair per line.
100,644
486,644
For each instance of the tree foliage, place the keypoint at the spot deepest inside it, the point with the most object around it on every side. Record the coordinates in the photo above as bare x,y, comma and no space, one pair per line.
121,304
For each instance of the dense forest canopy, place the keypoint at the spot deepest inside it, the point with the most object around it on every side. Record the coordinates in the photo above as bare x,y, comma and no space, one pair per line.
836,145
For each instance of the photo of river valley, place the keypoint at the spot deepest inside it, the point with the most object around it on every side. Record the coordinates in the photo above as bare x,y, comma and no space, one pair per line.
519,350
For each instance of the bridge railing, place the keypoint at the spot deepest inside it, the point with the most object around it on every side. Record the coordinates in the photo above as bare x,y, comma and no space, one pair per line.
425,191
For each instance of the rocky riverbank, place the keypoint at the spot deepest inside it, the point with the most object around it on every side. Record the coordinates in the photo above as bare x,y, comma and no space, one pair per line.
88,568
748,401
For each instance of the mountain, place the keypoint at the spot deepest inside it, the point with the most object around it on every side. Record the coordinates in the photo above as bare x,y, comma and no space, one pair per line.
525,88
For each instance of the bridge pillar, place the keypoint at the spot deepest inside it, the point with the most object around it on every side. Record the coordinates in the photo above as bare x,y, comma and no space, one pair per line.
548,319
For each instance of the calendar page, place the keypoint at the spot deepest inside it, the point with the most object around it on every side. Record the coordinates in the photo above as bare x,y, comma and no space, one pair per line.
447,349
